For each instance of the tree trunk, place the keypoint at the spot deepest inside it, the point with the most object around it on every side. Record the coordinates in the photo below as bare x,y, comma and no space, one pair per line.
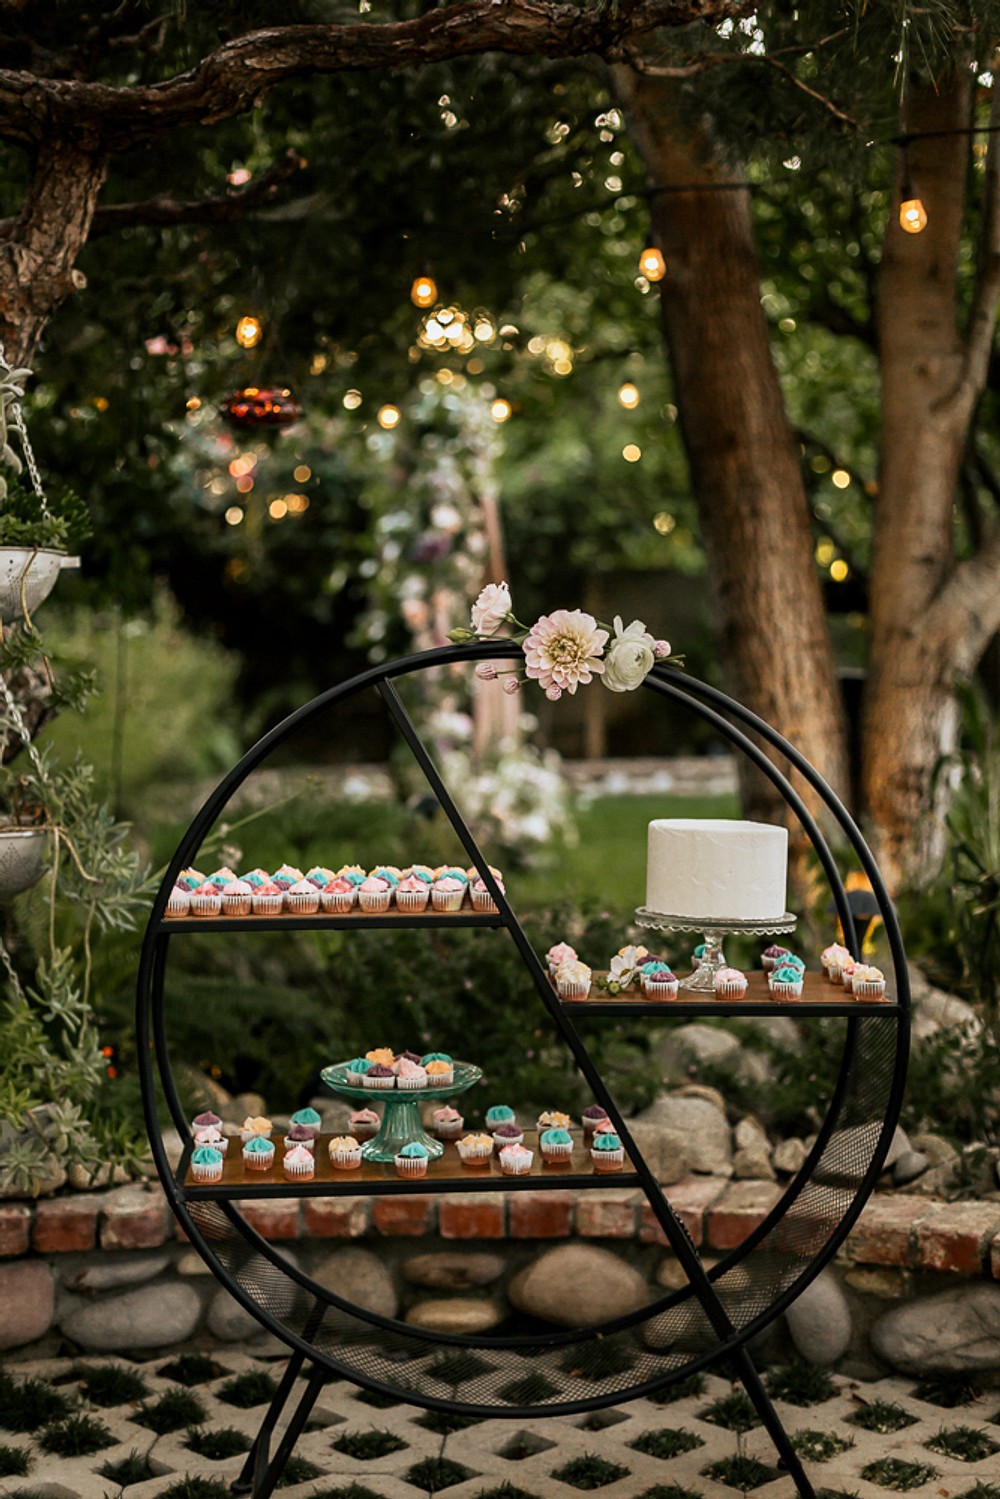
38,254
745,464
922,632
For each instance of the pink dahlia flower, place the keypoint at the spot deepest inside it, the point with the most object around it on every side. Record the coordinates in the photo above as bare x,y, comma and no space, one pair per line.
564,649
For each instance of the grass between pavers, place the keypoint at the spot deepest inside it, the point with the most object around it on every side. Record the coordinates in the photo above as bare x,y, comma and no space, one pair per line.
820,1446
882,1416
298,1470
27,1404
895,1473
670,1491
247,1390
948,1390
191,1369
366,1446
963,1442
15,1462
590,1472
443,1424
800,1384
740,1472
734,1412
197,1488
174,1410
108,1385
134,1468
217,1442
522,1445
351,1491
76,1436
667,1442
437,1473
693,1385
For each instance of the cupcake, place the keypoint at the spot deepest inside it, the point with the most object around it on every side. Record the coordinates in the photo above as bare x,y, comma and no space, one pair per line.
387,872
300,1134
338,897
258,1153
657,982
573,980
253,1126
474,1150
730,983
482,900
785,982
500,1113
607,1152
206,1120
308,1118
507,1134
379,1076
435,1056
605,1127
286,877
190,879
383,1054
179,901
364,1124
302,898
356,1071
771,956
299,1164
447,893
267,899
374,895
255,878
552,1119
440,1074
408,1056
411,1075
412,894
561,953
212,1137
791,960
206,900
515,1160
847,970
319,876
422,872
345,1152
447,1123
412,1160
352,872
220,878
831,958
206,1164
593,1115
868,982
555,1144
237,898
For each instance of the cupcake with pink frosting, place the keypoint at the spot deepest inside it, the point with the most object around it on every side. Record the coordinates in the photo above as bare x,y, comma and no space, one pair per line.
375,895
206,900
302,898
482,900
448,893
267,899
179,900
364,1124
515,1160
410,1074
868,982
730,983
338,896
560,953
412,893
213,1137
447,1123
299,1164
286,877
236,898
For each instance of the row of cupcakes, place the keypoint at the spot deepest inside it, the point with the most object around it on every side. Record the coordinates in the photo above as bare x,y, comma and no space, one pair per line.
336,892
381,1068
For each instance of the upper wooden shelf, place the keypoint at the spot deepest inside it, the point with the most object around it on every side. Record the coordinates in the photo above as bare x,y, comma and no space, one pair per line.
356,919
819,997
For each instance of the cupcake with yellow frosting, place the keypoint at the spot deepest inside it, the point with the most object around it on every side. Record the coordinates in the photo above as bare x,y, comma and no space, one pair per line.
345,1153
475,1150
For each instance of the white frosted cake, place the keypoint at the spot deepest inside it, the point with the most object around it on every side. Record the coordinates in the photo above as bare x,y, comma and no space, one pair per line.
715,869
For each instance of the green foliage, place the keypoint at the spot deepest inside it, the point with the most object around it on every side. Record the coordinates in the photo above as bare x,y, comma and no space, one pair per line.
740,1472
77,1436
883,1416
734,1412
819,1446
217,1443
670,1491
135,1467
247,1390
948,1389
173,1410
895,1473
589,1472
694,1384
197,1488
963,1442
442,1423
801,1383
666,1442
297,1470
108,1385
437,1473
23,522
191,1369
365,1445
15,1462
27,1404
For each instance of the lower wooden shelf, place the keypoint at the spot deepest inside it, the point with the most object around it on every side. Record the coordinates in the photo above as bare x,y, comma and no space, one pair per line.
373,1178
819,997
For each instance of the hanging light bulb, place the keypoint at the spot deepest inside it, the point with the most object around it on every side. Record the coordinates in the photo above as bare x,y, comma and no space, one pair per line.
652,264
248,331
424,292
912,213
389,416
628,395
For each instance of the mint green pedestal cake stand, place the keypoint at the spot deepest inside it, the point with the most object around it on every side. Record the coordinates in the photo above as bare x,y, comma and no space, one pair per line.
401,1124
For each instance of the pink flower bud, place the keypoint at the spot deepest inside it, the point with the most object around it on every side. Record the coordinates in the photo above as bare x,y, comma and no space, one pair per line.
553,693
661,650
511,684
486,671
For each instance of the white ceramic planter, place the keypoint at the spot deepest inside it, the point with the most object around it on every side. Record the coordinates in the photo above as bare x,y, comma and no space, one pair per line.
22,859
37,571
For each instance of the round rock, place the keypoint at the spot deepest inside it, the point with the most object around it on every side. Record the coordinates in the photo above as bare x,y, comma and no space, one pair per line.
956,1330
820,1321
707,1141
911,1164
359,1277
453,1271
27,1301
153,1317
115,1271
577,1285
464,1315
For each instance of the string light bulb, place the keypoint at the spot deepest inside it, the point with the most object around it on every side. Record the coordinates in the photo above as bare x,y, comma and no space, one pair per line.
248,331
912,213
424,292
388,417
628,395
652,264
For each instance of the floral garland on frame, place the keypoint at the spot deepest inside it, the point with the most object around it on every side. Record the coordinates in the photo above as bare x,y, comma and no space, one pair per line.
565,649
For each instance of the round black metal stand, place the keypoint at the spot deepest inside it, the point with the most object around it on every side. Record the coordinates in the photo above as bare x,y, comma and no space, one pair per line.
714,1317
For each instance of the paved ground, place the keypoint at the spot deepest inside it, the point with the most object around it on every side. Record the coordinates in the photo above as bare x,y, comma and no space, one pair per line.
535,1459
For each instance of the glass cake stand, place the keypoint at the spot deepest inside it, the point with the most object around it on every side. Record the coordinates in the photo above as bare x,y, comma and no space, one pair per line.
401,1124
712,931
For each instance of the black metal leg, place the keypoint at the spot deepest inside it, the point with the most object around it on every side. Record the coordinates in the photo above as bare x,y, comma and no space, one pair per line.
247,1481
265,1481
745,1368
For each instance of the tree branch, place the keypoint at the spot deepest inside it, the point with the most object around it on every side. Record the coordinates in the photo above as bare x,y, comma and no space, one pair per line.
165,211
966,613
240,73
986,293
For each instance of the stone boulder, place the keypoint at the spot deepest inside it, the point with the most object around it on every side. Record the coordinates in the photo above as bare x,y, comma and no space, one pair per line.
957,1330
462,1315
820,1321
702,1127
27,1302
578,1285
454,1270
752,1158
361,1277
693,1046
152,1317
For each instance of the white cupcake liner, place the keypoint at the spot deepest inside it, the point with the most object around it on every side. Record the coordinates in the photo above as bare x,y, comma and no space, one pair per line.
255,1162
482,900
869,989
302,905
608,1160
411,1084
236,905
339,903
556,1152
506,1140
179,903
653,990
222,1146
356,1079
412,900
206,905
207,1173
441,1079
379,1082
519,1167
572,991
375,903
267,905
475,1155
787,991
346,1160
447,900
449,1130
411,1166
299,1171
730,991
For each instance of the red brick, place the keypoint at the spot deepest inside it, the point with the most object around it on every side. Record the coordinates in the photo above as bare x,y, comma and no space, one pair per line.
995,1257
689,1199
336,1217
15,1228
404,1217
273,1217
958,1238
66,1223
133,1218
741,1208
607,1215
477,1215
882,1235
541,1215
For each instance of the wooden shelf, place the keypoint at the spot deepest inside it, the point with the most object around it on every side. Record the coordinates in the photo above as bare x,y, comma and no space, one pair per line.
371,1178
819,997
352,919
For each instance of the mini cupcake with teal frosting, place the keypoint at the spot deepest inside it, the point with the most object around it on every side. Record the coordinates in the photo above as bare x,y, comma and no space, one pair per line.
555,1144
607,1152
307,1119
258,1153
206,1164
500,1113
356,1071
412,1160
785,981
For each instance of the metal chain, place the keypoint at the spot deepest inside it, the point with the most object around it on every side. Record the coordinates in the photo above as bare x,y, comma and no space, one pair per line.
17,718
17,417
11,971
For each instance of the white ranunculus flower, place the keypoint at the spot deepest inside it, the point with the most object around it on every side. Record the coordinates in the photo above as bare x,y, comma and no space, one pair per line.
491,608
629,657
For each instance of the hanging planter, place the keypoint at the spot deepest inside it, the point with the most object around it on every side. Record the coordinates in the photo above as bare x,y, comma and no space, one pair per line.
254,408
22,860
27,577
